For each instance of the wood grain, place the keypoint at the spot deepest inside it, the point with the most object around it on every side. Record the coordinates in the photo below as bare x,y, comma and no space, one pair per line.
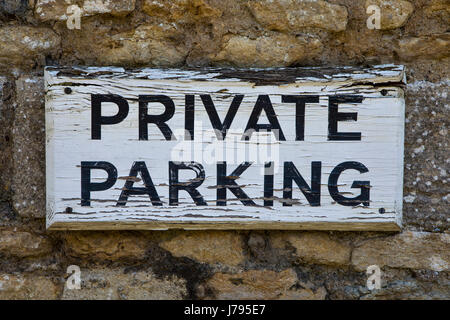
380,121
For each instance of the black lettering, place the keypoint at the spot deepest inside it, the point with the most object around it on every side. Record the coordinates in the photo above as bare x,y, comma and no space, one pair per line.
334,116
221,128
300,102
268,183
263,103
364,196
87,186
159,120
225,182
189,105
189,187
312,194
97,120
128,189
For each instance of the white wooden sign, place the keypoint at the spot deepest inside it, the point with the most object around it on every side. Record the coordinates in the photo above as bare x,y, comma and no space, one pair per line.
311,148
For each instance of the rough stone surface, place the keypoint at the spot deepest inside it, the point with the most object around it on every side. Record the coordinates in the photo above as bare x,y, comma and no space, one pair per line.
148,45
115,8
394,13
435,46
262,285
106,245
314,247
23,244
267,51
211,264
413,250
296,15
25,45
47,10
13,7
440,7
118,284
6,118
426,191
410,290
209,247
158,45
20,287
28,180
181,11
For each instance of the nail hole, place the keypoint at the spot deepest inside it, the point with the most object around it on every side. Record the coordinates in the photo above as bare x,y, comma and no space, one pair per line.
67,90
384,92
381,210
68,210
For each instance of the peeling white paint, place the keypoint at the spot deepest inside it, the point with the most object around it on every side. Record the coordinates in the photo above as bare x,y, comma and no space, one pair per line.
380,120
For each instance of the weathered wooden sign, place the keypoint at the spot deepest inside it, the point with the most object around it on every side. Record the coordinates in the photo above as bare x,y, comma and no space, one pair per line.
295,148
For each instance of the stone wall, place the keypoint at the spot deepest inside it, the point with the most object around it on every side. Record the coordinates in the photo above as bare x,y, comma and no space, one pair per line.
226,264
